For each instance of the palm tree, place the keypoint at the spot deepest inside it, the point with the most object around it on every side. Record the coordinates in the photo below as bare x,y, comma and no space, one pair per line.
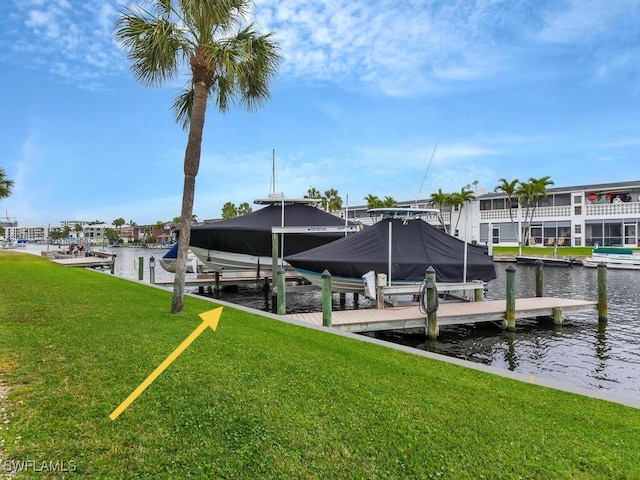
461,199
228,60
373,201
244,209
331,201
389,202
5,184
118,223
510,189
441,200
313,192
229,210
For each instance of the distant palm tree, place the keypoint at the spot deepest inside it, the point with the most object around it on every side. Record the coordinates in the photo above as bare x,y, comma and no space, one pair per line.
389,202
510,189
332,202
530,194
5,184
373,201
313,192
227,59
440,200
244,209
461,199
229,210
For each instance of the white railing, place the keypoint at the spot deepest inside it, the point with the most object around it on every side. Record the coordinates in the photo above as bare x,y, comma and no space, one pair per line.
612,209
623,209
563,211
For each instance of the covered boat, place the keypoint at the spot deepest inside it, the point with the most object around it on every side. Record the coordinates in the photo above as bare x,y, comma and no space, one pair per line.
245,242
415,245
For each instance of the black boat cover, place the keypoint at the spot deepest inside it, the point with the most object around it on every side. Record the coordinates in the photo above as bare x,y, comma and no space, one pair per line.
416,246
251,234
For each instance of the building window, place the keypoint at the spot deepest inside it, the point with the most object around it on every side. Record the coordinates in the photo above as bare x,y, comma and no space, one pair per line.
577,229
577,199
578,210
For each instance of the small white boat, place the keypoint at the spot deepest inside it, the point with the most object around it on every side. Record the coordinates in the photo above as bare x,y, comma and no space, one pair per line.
614,258
170,260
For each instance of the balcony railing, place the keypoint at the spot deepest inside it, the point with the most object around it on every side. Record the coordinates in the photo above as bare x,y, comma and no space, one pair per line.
624,209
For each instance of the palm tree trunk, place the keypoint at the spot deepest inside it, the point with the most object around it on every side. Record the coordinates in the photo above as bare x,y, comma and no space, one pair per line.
191,166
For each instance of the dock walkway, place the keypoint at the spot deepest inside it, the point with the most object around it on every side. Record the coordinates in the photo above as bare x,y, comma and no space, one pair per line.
453,313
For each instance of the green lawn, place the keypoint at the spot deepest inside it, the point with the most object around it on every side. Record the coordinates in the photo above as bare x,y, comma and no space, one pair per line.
260,398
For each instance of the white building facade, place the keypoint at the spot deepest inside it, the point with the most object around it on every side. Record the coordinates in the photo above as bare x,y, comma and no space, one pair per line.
606,214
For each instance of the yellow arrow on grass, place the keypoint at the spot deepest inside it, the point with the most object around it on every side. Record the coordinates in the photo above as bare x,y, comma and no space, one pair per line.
209,319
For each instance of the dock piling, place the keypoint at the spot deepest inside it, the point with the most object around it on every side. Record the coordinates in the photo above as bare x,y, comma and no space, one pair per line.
327,300
282,304
603,315
152,270
432,303
510,314
140,268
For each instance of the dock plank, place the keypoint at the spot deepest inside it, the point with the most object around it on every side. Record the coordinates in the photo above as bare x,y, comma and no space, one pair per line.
453,313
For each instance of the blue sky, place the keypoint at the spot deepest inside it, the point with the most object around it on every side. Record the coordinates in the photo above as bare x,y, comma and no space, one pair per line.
512,89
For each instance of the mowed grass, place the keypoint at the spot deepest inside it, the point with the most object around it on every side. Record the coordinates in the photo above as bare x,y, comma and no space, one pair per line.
259,398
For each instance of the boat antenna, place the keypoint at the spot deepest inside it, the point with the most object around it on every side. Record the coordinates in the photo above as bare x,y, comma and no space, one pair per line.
273,171
425,172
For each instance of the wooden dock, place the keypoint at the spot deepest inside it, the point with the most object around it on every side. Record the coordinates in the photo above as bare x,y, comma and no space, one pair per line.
453,313
87,262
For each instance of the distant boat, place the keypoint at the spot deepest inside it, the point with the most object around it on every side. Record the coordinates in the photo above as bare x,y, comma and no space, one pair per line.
400,248
169,260
245,243
546,261
614,258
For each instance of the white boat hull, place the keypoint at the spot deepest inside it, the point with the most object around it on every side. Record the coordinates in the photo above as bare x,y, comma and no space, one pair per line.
169,264
219,261
611,264
617,261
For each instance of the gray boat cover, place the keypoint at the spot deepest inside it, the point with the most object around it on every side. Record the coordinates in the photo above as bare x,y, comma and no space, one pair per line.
416,246
251,234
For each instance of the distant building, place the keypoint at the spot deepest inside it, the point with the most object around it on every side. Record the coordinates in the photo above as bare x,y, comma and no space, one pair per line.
38,234
607,214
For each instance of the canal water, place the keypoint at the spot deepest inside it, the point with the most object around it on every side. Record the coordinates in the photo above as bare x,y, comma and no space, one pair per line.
580,352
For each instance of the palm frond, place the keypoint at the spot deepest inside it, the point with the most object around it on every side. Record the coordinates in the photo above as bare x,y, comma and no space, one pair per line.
154,44
182,106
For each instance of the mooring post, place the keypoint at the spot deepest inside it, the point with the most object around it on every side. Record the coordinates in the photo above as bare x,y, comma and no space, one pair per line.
510,314
343,299
274,258
152,270
282,302
356,299
140,268
216,281
539,278
113,263
432,303
478,293
603,315
327,300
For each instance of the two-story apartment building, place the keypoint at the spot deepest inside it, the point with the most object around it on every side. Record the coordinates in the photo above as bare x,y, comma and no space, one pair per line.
606,214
